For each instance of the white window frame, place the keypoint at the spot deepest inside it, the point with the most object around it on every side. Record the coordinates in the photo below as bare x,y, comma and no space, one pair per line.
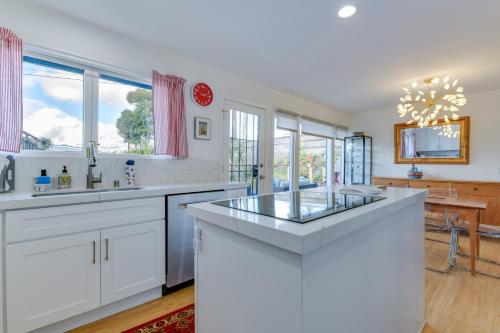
40,153
96,73
90,116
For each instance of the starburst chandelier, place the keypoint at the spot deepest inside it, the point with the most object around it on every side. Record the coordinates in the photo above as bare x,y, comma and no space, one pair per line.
432,101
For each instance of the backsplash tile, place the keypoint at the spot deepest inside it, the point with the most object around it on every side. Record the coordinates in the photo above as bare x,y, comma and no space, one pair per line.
148,171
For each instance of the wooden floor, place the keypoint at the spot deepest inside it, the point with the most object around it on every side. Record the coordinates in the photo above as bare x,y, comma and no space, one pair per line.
141,314
456,302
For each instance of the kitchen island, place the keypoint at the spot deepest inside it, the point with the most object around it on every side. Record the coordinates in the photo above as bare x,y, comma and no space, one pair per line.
360,270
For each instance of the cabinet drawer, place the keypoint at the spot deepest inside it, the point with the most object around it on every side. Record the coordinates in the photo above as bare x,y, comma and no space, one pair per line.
486,190
429,184
390,182
54,221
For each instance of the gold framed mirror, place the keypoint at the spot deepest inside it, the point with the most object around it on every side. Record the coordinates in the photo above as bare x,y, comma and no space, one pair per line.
444,143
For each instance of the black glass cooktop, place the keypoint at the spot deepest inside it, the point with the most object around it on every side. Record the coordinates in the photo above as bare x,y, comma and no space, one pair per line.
299,206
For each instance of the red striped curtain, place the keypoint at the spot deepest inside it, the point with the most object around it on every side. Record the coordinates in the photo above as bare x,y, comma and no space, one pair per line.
11,88
169,115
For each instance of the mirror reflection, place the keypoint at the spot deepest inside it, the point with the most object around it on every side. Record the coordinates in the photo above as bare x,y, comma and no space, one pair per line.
430,142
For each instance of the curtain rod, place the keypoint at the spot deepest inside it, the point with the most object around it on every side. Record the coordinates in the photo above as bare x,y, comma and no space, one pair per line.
295,114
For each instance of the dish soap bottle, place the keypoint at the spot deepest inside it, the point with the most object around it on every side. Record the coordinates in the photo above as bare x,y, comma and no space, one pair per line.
64,179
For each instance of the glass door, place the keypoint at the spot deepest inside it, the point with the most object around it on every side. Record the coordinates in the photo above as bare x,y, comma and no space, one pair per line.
357,160
245,151
313,161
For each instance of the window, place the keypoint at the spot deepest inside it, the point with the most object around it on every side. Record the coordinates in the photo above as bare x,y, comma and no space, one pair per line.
244,148
281,166
125,116
285,136
52,106
339,161
59,113
307,153
313,161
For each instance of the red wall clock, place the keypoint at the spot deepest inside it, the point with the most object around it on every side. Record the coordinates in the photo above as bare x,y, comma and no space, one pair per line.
202,94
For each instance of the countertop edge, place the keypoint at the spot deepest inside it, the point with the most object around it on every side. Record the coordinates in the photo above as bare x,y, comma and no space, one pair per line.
313,235
17,201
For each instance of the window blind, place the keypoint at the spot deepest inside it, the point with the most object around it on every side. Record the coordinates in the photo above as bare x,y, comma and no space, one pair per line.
286,122
340,133
317,129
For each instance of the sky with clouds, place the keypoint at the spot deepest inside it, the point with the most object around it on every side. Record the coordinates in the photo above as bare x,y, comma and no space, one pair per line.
53,107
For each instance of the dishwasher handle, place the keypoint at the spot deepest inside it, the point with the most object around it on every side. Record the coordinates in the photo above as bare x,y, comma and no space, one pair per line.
184,205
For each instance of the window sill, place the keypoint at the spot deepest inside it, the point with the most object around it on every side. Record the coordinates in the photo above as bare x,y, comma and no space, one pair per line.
81,155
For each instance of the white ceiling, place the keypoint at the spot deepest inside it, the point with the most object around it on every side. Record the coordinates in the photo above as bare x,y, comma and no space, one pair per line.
302,47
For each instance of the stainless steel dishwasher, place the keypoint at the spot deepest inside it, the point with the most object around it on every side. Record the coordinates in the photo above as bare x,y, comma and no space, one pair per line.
179,238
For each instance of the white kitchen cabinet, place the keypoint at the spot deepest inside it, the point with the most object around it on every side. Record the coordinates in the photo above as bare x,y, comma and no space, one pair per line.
450,143
421,139
51,279
132,260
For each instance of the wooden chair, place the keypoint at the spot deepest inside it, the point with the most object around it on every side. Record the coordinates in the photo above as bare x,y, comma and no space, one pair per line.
440,221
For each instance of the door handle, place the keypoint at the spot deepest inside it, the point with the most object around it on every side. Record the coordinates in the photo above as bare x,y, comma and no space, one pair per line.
255,171
93,252
107,249
184,205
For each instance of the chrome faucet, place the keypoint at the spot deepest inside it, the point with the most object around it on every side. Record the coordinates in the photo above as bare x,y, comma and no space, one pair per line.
91,164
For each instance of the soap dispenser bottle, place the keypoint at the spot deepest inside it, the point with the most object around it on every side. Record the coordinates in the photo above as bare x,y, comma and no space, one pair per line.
42,183
64,179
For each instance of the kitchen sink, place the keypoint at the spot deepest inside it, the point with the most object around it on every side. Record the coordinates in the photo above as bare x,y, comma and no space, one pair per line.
97,190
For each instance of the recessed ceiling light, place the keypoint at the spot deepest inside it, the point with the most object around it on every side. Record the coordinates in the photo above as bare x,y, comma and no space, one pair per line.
347,11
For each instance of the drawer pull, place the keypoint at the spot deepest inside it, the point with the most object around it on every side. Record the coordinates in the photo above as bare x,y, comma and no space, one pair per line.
93,252
107,249
428,186
475,189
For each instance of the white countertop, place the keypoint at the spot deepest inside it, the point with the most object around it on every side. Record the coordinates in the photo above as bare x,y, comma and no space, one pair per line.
303,238
10,201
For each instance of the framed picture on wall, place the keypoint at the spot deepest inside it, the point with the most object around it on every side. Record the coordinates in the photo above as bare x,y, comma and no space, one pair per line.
202,128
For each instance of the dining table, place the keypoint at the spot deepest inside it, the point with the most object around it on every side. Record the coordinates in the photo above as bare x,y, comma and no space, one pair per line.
475,207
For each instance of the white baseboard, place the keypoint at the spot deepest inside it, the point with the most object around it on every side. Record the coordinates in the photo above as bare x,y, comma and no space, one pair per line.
105,311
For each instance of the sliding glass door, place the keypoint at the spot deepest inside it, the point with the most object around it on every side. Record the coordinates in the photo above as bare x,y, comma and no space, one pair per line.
313,161
307,153
283,151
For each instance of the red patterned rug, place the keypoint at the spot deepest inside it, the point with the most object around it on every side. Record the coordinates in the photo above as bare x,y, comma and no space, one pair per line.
179,321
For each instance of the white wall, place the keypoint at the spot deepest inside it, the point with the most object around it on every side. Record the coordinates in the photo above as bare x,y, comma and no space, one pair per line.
483,109
50,29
